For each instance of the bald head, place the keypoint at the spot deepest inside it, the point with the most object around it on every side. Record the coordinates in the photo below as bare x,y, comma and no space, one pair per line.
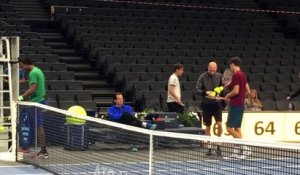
212,68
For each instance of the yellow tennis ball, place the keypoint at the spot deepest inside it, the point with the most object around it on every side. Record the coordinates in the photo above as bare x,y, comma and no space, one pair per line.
217,90
77,110
2,129
213,94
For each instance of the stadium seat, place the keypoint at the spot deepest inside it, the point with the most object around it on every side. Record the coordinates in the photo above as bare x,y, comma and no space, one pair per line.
148,76
268,105
280,95
268,86
63,96
264,96
66,75
57,85
159,86
51,75
283,86
282,105
74,85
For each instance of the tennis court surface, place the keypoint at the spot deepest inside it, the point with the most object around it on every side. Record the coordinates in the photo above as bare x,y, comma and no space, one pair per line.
103,147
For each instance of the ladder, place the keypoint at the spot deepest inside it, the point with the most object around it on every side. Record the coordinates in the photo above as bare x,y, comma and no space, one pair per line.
9,53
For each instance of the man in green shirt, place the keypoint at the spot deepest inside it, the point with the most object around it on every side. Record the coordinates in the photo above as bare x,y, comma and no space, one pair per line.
36,93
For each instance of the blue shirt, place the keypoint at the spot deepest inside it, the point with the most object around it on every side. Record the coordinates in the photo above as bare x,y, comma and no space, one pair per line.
115,113
21,73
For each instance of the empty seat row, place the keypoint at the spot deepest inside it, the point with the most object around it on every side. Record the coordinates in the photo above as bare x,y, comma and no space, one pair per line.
111,60
36,50
286,77
54,66
189,46
42,57
64,85
87,105
100,52
281,105
59,75
271,86
203,39
144,68
32,42
57,95
58,85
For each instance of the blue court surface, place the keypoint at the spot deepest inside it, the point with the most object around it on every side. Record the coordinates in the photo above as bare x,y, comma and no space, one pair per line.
263,166
22,170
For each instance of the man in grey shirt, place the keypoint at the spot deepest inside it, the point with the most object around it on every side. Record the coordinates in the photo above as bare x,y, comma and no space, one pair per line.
206,84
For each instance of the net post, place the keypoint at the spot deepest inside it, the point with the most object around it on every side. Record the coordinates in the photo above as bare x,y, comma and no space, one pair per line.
14,89
151,145
35,135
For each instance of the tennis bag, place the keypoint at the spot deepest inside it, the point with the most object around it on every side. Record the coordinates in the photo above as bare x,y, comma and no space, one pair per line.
76,137
26,128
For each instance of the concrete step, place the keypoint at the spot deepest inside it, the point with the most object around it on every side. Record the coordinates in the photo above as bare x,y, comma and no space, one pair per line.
79,67
50,34
109,92
72,59
53,38
64,51
57,45
36,9
16,2
87,75
97,84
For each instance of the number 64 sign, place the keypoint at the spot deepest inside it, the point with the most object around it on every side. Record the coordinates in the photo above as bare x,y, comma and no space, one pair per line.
266,126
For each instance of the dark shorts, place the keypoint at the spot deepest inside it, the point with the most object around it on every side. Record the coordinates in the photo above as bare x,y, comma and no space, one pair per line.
38,112
235,117
211,110
175,107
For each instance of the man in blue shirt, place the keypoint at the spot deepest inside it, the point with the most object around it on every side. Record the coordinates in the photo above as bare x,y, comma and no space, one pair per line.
21,76
124,114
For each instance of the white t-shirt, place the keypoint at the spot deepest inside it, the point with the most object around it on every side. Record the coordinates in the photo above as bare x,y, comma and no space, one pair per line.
173,80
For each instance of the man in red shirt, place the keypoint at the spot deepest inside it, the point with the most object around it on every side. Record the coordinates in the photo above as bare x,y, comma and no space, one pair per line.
240,87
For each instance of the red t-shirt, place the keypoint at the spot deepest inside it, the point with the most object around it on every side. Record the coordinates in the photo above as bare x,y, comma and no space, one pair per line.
238,78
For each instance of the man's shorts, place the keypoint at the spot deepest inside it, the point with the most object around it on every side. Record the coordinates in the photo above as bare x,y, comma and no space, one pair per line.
38,112
235,117
210,110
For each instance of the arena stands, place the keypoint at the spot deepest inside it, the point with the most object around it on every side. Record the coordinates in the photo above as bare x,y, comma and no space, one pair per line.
134,46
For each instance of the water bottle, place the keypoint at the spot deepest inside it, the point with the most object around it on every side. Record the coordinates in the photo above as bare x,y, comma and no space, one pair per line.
290,106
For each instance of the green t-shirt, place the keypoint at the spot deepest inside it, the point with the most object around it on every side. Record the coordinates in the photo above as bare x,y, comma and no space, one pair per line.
36,76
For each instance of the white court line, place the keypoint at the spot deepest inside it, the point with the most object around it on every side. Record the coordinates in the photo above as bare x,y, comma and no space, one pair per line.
36,174
192,169
16,166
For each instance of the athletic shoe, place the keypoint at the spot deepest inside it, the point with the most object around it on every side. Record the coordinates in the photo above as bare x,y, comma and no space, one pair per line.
134,148
151,126
41,155
246,151
24,150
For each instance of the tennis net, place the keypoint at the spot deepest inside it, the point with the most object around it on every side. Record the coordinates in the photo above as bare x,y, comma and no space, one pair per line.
103,147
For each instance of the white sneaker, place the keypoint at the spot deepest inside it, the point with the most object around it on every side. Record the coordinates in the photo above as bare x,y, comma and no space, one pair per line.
232,157
246,150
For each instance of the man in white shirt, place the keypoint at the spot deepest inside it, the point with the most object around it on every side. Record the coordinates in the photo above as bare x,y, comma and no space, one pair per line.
174,93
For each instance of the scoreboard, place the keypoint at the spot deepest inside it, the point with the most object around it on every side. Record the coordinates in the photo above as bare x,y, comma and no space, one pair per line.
266,126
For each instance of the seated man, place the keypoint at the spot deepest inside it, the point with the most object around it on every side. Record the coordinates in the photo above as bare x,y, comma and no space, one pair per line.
124,114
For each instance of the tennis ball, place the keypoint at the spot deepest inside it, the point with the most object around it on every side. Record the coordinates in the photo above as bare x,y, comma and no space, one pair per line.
2,129
78,110
213,94
218,90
